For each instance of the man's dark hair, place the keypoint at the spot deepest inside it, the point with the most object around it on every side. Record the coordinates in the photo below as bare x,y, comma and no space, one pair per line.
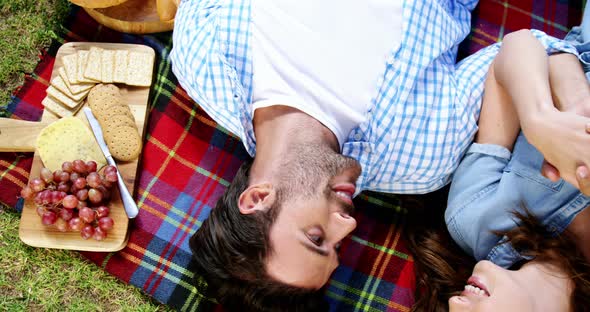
230,249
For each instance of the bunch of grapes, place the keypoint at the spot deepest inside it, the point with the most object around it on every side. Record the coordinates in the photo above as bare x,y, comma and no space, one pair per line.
74,198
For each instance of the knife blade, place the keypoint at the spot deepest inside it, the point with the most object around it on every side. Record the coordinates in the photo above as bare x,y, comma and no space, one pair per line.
128,201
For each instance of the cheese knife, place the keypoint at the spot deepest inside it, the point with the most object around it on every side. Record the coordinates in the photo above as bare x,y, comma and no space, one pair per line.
128,201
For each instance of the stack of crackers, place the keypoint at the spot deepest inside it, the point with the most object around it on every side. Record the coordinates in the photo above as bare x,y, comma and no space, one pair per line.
116,120
85,68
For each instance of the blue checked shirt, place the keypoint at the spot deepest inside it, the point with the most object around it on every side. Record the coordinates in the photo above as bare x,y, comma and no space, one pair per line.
423,115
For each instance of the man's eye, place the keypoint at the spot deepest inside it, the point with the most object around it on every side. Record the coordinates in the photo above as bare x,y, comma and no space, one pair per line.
316,239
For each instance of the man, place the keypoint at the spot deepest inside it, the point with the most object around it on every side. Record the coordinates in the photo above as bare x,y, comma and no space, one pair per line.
332,98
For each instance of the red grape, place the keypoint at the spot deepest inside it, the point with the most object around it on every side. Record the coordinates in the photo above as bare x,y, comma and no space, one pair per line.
61,225
70,201
74,176
80,183
106,193
64,176
82,194
107,184
37,185
45,197
111,176
102,211
67,166
80,166
63,186
46,175
66,214
99,234
93,179
62,197
27,192
106,223
81,204
91,166
87,214
109,168
76,224
55,197
49,217
57,176
87,231
95,196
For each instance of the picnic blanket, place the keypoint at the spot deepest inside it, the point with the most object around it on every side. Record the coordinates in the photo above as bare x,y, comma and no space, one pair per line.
188,161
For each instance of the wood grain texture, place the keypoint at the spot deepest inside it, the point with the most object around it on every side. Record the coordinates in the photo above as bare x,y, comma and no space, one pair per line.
97,3
136,16
19,135
31,230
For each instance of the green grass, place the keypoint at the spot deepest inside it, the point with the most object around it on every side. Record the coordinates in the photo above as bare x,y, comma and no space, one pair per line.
38,279
33,279
26,26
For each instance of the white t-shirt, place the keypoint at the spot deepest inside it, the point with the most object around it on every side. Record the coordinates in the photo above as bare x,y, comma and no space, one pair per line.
308,54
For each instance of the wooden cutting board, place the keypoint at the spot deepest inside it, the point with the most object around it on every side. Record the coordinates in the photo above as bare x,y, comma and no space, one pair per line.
31,230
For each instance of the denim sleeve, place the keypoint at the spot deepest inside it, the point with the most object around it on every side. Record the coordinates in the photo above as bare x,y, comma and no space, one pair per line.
579,37
474,182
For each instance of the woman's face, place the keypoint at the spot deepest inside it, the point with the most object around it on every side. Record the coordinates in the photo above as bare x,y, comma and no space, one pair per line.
534,287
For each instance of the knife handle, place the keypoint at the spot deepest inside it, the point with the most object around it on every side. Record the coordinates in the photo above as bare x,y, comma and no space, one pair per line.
128,201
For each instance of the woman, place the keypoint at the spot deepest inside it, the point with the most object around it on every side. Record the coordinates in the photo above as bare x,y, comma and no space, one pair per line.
527,231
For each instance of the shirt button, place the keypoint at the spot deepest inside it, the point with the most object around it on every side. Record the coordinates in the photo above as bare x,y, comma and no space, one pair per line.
358,136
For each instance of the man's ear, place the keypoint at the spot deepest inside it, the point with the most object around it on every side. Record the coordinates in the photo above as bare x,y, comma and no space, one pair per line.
256,197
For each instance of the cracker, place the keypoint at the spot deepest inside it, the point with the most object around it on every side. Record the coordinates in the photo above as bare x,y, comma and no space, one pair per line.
102,96
117,120
62,98
107,65
74,88
70,62
139,69
117,109
120,71
82,60
124,143
55,107
58,83
93,66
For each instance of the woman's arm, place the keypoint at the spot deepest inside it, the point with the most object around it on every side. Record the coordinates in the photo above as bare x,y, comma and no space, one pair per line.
498,122
522,69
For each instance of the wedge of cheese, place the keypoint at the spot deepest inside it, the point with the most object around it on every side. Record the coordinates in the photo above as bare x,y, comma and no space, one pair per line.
67,139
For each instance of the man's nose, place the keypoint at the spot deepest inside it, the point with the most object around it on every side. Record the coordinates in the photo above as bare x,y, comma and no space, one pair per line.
344,224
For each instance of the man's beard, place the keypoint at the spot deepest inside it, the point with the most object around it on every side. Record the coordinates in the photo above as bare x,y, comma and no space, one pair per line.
309,167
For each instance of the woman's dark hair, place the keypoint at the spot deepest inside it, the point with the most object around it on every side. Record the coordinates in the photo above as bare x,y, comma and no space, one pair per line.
230,249
442,268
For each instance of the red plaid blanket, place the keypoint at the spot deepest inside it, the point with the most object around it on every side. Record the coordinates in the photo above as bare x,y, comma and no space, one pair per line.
188,161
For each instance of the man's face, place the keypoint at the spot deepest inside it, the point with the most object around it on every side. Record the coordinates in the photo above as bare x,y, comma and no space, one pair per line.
316,187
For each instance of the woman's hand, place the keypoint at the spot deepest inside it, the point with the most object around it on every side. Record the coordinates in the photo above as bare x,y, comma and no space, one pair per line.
570,92
564,141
